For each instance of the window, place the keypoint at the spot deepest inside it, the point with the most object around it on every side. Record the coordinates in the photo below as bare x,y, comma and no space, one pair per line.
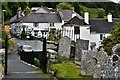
76,30
36,32
35,24
51,24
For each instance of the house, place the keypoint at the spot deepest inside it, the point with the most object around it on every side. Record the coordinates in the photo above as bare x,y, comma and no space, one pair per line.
67,15
93,30
36,23
40,21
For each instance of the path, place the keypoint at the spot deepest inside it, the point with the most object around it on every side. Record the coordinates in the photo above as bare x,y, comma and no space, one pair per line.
18,70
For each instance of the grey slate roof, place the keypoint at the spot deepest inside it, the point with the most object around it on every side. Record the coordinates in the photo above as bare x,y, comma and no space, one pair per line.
102,25
67,14
13,18
40,17
75,20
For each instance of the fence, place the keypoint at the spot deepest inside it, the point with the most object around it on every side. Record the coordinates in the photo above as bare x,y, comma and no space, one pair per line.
30,56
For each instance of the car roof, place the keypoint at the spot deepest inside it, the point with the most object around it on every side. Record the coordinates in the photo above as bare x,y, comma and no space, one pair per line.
26,45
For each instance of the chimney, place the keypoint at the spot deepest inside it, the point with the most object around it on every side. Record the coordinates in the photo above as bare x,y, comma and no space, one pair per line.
19,12
73,12
109,17
86,17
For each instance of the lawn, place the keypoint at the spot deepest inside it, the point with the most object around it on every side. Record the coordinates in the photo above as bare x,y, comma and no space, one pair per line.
67,69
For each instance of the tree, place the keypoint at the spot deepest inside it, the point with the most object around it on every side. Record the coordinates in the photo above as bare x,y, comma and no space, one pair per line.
64,5
112,40
36,4
77,7
101,13
27,10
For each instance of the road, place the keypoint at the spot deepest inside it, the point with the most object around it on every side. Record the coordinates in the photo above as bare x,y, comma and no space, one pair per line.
19,70
36,44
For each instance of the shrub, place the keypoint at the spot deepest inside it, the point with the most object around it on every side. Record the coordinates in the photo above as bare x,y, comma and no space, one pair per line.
51,37
23,35
10,42
36,62
59,36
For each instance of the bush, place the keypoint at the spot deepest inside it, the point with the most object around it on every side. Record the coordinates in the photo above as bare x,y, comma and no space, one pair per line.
36,62
11,42
23,35
59,36
51,37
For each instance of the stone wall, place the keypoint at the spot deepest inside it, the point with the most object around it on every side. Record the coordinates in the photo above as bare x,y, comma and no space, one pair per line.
12,48
99,65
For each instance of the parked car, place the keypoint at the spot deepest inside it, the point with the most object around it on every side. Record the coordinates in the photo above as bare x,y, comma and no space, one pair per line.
24,48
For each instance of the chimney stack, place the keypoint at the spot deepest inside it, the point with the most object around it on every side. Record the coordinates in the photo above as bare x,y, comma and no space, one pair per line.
19,12
86,17
73,12
109,17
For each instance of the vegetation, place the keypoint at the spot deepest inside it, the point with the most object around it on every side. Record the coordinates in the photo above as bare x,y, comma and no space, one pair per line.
23,35
11,42
0,67
78,8
64,5
51,37
94,12
27,10
112,40
58,35
95,9
36,62
67,69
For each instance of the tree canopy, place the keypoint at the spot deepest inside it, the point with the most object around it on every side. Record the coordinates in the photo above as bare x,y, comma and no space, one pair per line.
64,5
113,39
80,8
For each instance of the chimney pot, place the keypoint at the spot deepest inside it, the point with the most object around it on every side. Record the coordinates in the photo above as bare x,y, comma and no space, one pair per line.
109,17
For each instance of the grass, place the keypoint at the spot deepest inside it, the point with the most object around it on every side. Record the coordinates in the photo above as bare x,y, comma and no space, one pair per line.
67,69
0,67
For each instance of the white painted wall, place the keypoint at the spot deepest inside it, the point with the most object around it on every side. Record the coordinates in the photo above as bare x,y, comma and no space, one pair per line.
95,37
84,34
41,26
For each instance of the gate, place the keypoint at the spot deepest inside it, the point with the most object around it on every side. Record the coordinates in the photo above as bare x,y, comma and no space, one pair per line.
41,56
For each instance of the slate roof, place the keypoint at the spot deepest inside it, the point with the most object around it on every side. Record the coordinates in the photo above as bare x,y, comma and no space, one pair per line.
67,14
75,20
40,17
13,18
102,25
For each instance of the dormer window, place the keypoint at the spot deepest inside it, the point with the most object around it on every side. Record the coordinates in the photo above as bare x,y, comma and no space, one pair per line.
51,24
35,24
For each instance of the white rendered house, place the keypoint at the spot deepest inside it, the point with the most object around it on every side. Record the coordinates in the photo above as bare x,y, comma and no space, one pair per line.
93,30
